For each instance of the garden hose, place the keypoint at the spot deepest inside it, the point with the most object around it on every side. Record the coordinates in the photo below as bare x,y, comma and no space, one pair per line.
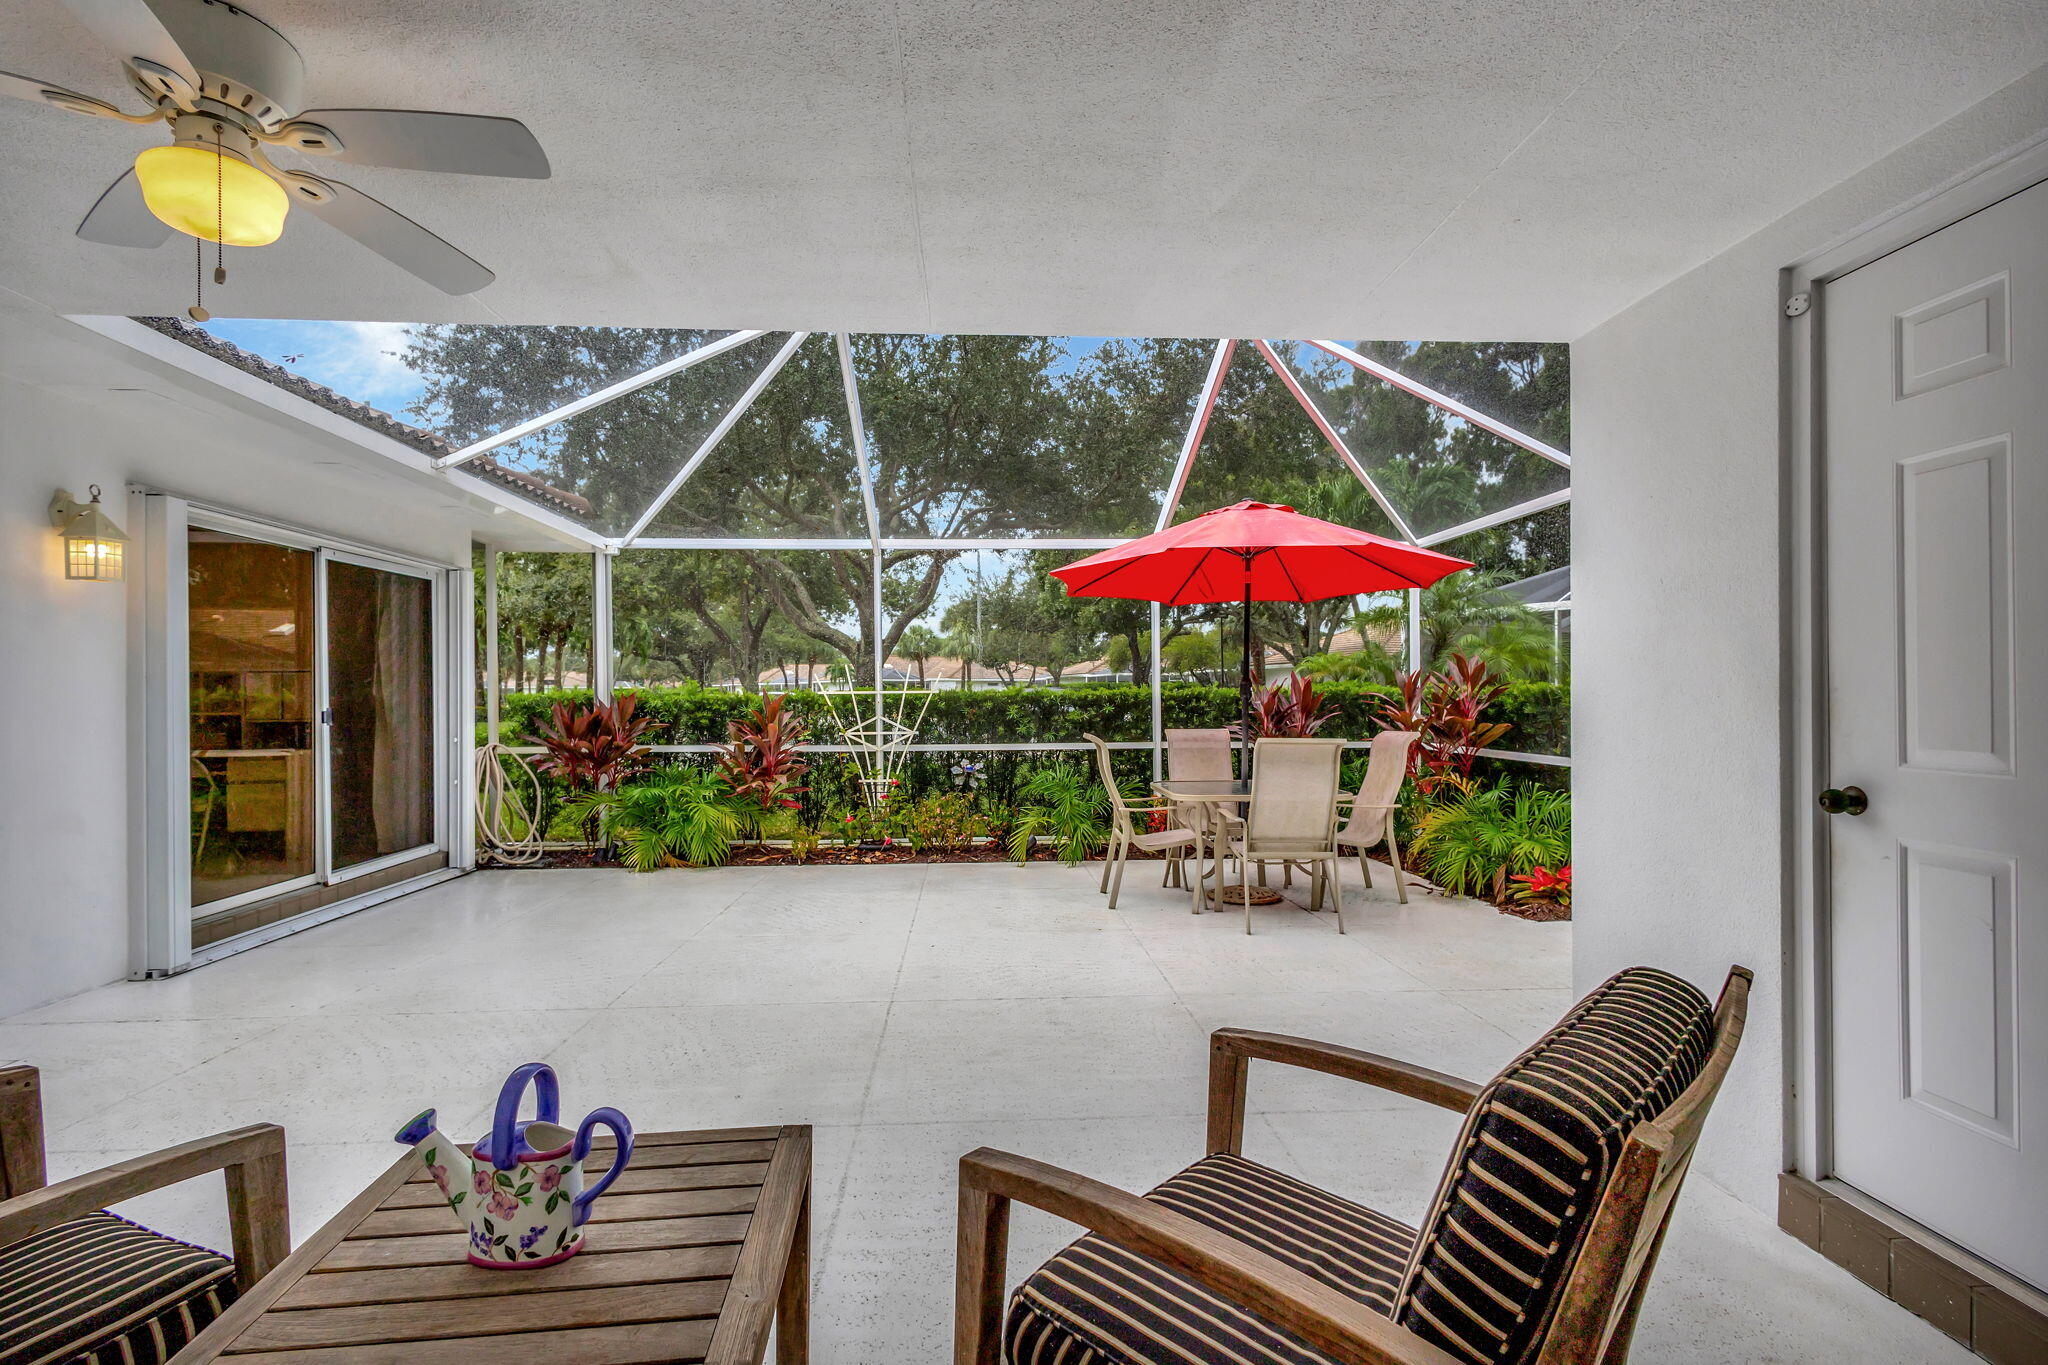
507,822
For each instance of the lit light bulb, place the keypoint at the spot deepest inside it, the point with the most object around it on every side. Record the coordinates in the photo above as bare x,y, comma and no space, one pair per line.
193,188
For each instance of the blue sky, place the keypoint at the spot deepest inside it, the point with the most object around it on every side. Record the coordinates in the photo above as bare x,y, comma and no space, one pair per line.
359,360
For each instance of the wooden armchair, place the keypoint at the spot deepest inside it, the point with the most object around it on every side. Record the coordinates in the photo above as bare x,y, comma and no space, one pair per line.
1538,1247
82,1285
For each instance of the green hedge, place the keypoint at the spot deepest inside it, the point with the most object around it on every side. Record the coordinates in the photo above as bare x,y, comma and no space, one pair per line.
1538,714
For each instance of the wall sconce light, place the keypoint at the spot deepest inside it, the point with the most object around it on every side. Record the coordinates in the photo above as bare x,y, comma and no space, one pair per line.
94,547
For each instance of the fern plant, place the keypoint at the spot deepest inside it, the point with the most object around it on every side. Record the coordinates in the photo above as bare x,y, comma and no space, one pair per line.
673,815
1473,845
1067,806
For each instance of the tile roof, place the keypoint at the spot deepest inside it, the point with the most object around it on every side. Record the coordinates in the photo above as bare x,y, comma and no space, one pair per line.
376,419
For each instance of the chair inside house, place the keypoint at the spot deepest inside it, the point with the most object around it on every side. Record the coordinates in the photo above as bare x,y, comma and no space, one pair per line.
1537,1248
1292,817
1372,809
1175,841
85,1287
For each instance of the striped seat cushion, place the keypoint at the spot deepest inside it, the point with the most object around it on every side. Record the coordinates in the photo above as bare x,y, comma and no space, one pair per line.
1537,1150
1098,1304
100,1290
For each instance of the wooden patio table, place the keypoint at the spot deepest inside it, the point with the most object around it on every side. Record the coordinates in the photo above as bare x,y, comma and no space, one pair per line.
700,1245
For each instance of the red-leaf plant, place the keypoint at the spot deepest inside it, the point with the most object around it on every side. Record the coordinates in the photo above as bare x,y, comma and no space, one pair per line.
1542,884
1292,709
595,748
760,760
1447,710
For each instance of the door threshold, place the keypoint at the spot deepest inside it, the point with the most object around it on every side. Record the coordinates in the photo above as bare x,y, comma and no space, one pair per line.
1995,1314
285,928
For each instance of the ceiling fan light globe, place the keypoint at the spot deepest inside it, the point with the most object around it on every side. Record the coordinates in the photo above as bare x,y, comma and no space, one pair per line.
194,188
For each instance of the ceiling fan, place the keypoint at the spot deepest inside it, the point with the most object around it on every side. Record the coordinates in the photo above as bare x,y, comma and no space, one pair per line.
230,87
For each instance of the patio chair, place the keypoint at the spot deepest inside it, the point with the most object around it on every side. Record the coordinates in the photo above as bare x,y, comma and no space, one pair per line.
1203,756
1537,1249
1372,810
1124,833
1292,817
83,1286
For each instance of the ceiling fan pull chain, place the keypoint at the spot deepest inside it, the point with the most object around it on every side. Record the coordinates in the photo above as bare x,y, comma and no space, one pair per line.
197,312
220,246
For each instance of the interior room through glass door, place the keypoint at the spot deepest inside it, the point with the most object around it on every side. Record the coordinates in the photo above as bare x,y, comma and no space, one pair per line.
250,638
380,712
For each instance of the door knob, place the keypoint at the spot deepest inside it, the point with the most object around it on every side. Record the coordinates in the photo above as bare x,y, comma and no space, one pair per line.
1844,801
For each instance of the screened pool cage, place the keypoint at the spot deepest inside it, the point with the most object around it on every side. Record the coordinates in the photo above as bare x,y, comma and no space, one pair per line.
911,468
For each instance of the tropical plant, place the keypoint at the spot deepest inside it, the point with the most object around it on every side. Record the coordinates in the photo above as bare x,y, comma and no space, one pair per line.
1447,711
1473,845
945,820
672,815
760,759
595,746
1543,884
1370,662
1467,613
1066,805
1290,710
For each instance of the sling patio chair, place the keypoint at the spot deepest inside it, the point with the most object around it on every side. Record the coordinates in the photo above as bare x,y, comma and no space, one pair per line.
1537,1249
1372,810
1124,834
1292,818
1203,756
85,1287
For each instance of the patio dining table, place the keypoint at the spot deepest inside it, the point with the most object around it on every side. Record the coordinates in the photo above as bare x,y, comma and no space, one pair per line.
1207,801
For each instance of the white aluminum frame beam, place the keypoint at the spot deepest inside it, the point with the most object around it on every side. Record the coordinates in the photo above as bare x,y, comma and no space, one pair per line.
857,425
717,434
886,543
1219,365
1515,513
1446,402
598,399
1337,442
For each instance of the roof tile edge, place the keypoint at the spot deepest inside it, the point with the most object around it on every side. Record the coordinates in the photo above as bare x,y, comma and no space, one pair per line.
376,419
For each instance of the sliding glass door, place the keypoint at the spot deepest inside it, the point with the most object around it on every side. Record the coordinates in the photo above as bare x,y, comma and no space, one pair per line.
313,684
250,632
380,713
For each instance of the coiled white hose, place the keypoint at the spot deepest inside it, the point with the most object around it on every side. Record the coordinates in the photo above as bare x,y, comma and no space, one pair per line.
507,819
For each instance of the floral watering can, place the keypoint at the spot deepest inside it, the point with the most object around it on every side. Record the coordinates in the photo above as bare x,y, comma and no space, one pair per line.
521,1192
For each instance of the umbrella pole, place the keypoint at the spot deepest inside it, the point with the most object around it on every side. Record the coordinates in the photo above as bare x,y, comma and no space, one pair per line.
1244,684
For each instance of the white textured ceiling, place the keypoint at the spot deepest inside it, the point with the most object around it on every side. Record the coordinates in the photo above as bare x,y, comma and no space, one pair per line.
1435,168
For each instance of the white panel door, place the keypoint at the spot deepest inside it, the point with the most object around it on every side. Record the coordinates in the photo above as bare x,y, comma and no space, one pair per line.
1935,373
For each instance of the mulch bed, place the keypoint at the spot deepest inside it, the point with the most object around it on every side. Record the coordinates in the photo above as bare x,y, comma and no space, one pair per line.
768,855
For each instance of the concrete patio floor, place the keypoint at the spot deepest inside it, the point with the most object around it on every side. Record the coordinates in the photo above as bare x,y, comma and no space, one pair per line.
912,1013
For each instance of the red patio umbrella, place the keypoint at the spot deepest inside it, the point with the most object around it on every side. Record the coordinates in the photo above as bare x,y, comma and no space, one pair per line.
1254,551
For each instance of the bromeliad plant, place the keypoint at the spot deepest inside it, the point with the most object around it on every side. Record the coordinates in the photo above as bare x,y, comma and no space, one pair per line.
760,759
1543,884
672,815
1067,806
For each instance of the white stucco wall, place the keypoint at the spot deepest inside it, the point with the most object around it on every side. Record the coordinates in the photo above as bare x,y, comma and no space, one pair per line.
75,410
1677,575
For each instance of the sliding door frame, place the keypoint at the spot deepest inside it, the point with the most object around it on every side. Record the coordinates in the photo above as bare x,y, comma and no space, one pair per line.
162,871
435,577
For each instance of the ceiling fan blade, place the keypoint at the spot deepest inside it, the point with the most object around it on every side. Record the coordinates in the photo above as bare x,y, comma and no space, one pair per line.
120,218
423,140
395,237
131,28
57,96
